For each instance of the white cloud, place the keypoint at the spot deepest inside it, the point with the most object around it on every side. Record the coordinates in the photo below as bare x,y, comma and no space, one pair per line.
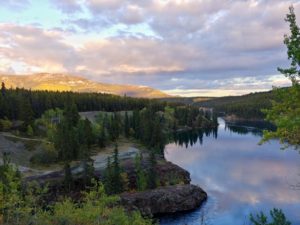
191,44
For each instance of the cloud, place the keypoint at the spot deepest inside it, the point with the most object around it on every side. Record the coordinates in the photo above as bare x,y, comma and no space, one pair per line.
67,6
203,45
224,35
37,48
15,5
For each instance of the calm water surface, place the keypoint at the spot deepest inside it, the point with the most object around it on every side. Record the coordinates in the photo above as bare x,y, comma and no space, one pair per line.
238,175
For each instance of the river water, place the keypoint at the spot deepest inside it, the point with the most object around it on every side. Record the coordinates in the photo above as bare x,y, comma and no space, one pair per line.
239,176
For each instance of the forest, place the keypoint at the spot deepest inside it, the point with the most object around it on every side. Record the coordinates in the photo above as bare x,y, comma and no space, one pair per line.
54,118
248,106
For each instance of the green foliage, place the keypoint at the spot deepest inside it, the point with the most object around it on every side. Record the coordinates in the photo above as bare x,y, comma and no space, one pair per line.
277,217
66,138
68,178
152,174
21,104
285,114
46,156
126,125
141,178
96,208
246,106
285,111
23,206
5,124
292,43
48,122
114,183
17,204
108,177
29,130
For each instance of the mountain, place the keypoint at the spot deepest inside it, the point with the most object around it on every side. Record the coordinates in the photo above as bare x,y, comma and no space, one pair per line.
66,82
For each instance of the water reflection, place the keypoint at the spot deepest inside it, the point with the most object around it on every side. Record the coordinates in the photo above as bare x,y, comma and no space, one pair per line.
191,137
239,176
249,127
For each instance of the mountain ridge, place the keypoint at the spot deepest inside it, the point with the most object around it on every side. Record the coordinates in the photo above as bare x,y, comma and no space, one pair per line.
75,83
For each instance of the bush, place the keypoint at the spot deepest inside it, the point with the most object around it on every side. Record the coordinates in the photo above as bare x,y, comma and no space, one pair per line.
5,124
21,205
277,216
47,155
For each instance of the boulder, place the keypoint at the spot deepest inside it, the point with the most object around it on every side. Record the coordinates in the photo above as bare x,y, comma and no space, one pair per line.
165,200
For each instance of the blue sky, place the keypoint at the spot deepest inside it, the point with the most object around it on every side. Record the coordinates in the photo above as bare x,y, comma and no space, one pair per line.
185,47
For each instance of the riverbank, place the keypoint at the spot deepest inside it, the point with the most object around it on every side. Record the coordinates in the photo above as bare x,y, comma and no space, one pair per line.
173,190
174,193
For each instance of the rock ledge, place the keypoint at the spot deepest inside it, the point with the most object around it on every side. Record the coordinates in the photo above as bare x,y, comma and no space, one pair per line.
165,200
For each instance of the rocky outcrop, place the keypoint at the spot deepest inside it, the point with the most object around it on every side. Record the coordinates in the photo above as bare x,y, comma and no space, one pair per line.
168,173
165,200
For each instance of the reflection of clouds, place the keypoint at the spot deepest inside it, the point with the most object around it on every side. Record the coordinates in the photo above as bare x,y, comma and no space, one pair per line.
240,174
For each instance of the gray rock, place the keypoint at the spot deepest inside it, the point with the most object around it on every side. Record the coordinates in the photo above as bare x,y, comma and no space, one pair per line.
165,200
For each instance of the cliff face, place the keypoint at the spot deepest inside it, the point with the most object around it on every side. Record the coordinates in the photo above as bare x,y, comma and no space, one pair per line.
66,82
165,200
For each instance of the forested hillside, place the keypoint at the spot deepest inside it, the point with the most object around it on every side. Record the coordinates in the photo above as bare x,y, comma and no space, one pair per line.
246,106
22,104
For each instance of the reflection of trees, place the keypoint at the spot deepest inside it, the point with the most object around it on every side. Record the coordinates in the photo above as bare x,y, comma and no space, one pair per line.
249,127
191,137
243,130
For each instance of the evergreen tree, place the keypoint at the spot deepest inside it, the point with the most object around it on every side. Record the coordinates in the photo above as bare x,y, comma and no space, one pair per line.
136,124
85,139
126,125
108,177
68,178
102,137
113,177
285,111
3,89
71,115
114,126
141,180
158,137
66,139
292,43
117,179
152,176
26,113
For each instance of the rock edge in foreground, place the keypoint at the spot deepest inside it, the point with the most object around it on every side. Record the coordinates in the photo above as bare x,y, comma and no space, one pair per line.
165,200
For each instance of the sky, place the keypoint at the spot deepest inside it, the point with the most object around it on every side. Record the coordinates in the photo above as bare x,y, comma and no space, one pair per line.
183,47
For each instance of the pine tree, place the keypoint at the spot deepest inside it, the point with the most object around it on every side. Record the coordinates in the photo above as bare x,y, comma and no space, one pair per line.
66,138
102,137
117,179
152,176
68,179
285,110
3,89
126,125
292,43
108,176
85,139
113,174
141,180
71,115
26,114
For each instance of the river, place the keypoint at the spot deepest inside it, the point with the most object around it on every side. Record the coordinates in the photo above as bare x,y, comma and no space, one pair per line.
239,176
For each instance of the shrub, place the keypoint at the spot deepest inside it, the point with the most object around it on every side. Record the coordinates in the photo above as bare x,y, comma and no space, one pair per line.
47,155
5,124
